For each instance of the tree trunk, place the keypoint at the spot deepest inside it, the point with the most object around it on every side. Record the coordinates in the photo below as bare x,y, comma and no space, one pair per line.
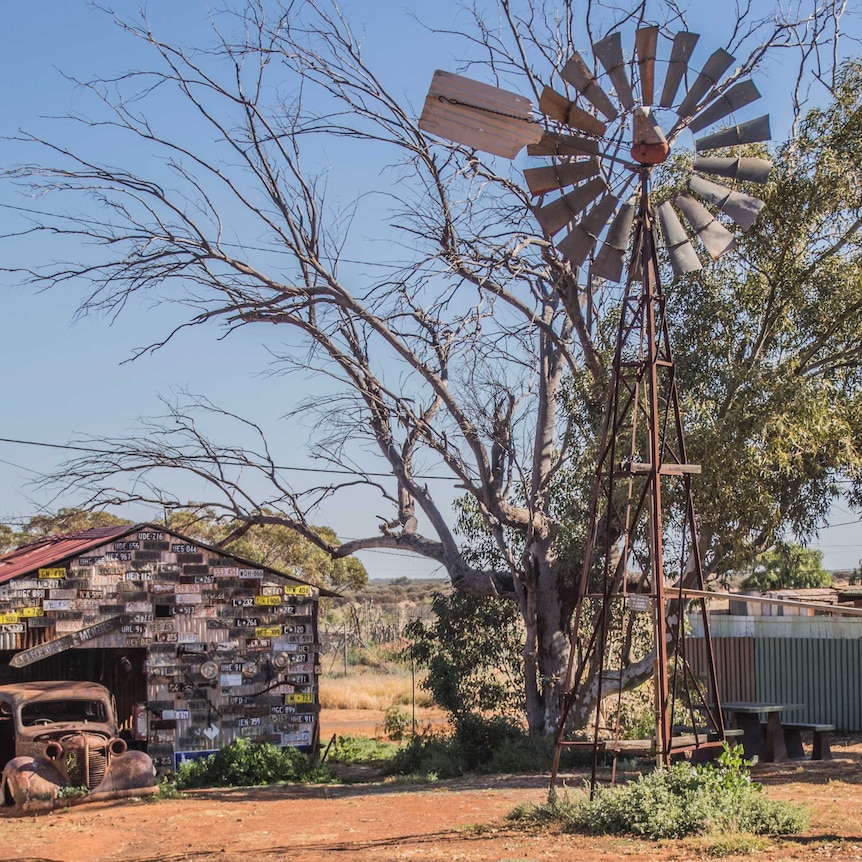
546,648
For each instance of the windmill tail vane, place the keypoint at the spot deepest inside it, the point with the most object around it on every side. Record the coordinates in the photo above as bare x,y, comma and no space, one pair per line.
596,208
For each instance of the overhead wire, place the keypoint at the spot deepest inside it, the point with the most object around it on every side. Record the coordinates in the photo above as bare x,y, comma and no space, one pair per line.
92,450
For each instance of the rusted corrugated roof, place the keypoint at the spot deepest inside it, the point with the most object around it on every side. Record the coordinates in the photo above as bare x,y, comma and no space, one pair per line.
55,550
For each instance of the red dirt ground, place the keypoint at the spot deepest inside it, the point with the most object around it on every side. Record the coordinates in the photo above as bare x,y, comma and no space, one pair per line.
385,820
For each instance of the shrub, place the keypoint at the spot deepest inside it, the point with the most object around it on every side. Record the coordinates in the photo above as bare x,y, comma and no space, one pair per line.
397,722
472,648
482,745
675,802
244,764
361,749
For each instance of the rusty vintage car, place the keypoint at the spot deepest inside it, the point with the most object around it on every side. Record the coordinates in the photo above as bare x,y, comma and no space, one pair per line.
59,745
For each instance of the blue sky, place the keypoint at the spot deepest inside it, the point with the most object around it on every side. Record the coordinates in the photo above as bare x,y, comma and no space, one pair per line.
67,376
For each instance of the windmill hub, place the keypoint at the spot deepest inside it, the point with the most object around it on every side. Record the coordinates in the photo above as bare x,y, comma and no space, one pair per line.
649,147
645,153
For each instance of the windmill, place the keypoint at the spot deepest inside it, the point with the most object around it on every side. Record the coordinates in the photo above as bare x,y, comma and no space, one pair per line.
605,138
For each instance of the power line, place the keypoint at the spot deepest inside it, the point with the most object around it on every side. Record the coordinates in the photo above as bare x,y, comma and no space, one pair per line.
91,450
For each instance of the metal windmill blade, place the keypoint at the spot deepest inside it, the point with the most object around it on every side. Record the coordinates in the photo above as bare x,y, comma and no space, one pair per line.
752,132
609,261
683,47
646,42
682,255
478,115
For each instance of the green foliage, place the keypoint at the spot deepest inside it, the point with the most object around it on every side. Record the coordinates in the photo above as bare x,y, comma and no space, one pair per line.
72,791
676,802
67,520
472,649
788,566
245,764
397,722
766,342
275,546
486,746
361,749
719,846
167,789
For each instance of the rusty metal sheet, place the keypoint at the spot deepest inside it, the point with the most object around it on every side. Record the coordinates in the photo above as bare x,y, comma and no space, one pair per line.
34,654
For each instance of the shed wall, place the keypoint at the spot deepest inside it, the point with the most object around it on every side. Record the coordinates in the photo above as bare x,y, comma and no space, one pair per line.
815,661
219,649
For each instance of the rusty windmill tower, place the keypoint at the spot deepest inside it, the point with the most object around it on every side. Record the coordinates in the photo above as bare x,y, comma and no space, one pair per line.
605,140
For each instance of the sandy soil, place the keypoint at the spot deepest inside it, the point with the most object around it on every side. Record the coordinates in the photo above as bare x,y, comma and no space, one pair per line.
386,820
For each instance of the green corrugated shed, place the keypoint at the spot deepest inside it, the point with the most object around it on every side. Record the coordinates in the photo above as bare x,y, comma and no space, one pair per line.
816,661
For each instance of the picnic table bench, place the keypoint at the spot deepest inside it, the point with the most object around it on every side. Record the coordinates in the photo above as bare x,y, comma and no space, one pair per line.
820,746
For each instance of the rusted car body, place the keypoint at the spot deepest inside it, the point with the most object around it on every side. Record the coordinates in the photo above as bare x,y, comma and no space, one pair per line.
59,745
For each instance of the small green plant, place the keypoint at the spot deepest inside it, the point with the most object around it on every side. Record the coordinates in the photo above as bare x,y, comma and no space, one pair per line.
167,788
244,764
361,749
397,722
72,791
676,802
719,846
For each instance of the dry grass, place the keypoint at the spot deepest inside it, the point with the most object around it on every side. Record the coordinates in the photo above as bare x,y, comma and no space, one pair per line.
364,688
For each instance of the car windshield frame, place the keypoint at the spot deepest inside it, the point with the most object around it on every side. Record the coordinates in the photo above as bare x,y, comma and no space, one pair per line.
66,710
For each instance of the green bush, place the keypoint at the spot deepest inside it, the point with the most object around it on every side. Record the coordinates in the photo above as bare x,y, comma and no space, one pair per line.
244,764
481,745
361,749
676,802
472,648
397,722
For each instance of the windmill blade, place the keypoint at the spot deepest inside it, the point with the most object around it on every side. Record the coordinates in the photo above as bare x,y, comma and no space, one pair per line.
543,180
683,48
478,115
579,242
716,238
554,216
552,144
683,257
742,208
609,52
646,39
738,96
576,73
718,63
751,132
747,169
559,108
611,257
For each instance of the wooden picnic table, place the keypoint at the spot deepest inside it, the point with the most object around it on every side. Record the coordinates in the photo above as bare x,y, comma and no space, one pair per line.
745,715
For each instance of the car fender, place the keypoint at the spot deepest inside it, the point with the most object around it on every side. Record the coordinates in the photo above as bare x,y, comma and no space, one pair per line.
32,783
131,770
